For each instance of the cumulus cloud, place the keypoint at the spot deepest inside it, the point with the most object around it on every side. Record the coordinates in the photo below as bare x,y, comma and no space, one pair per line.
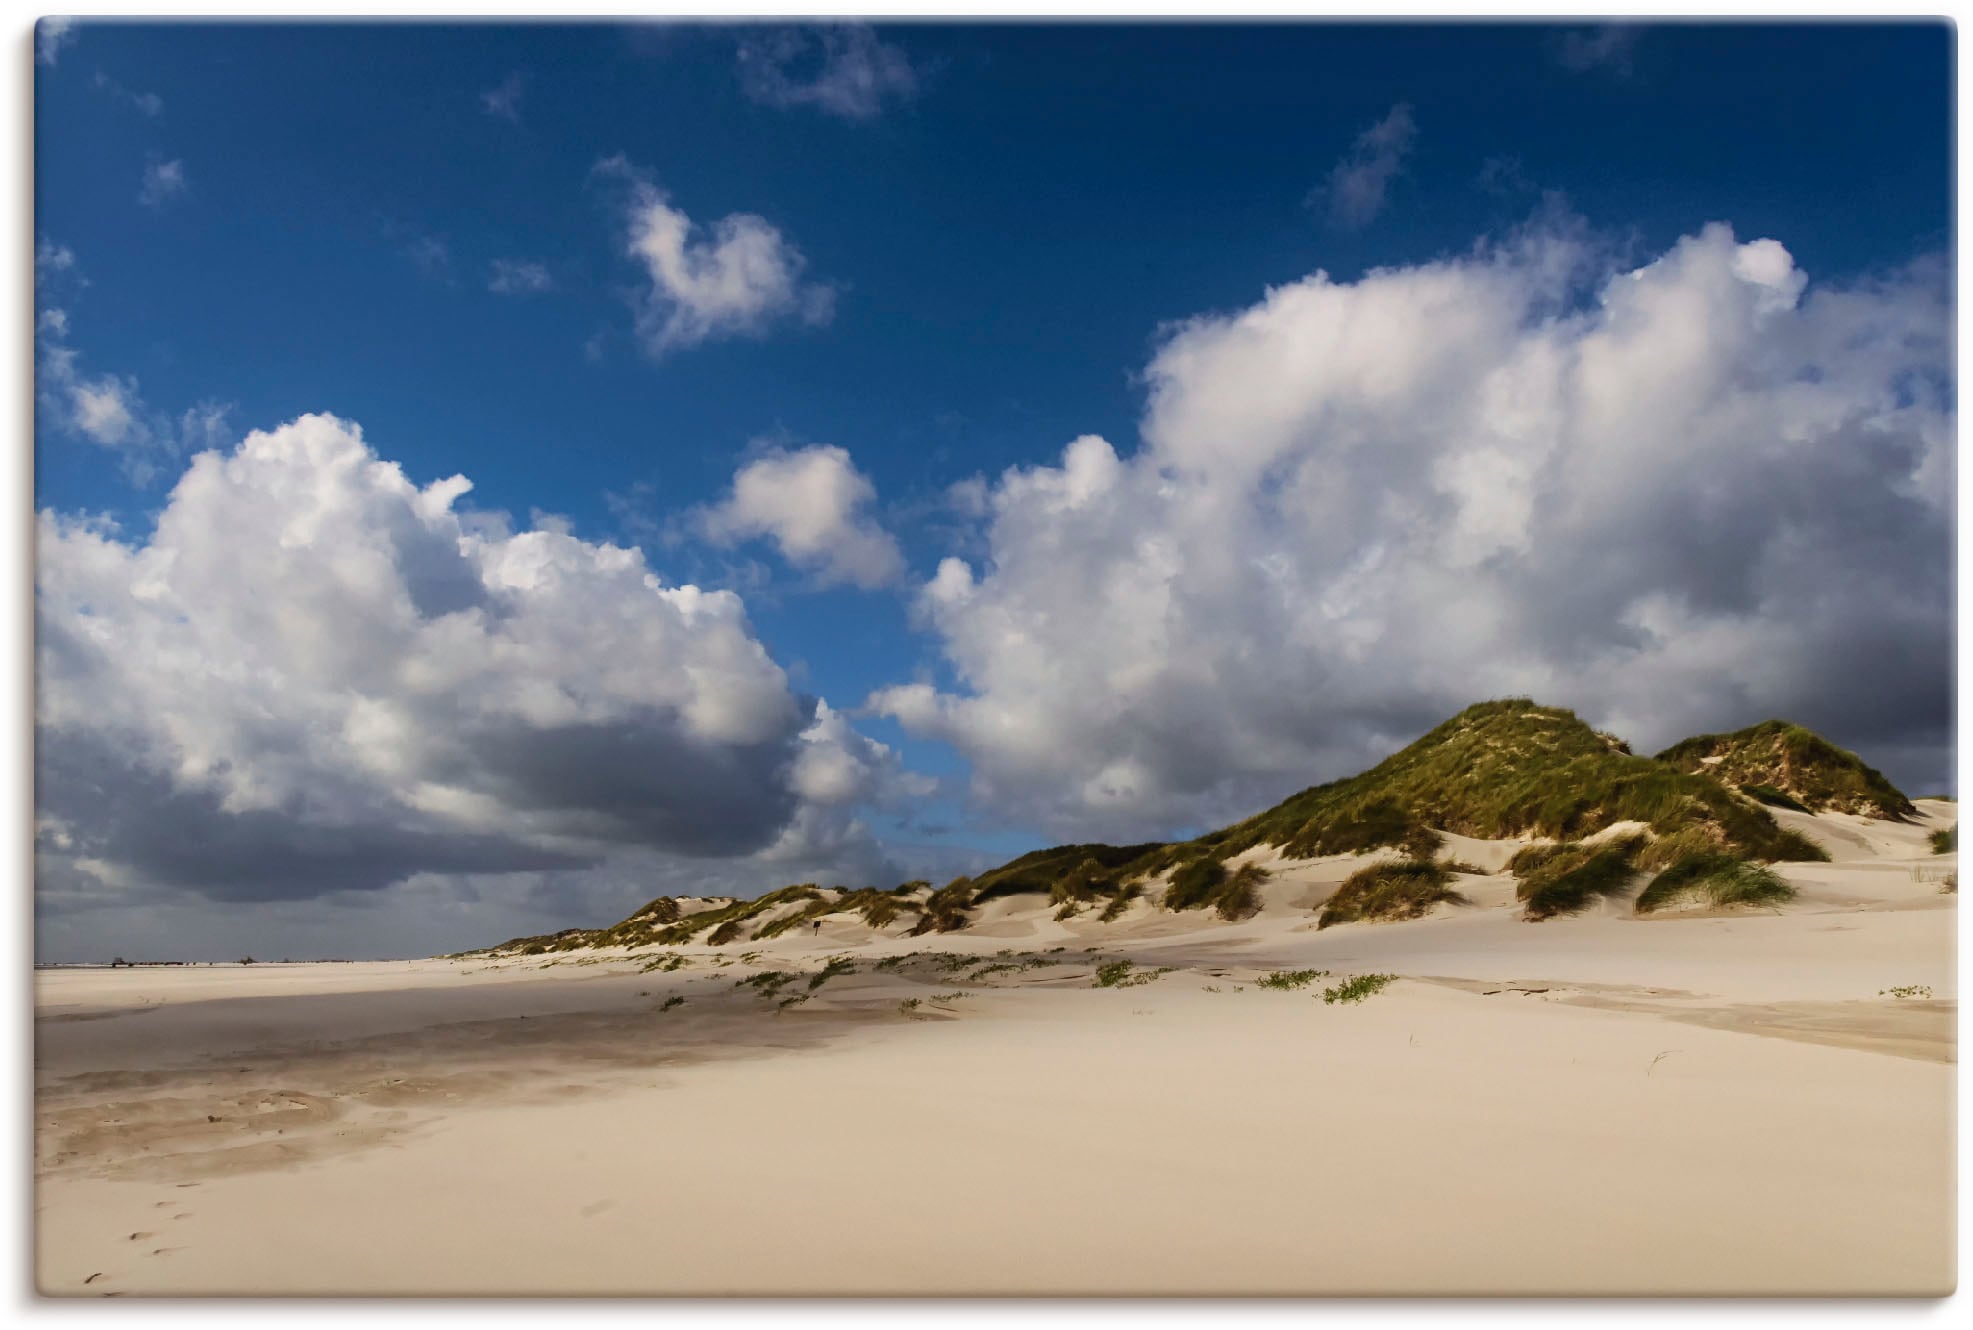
843,70
1354,193
107,409
51,259
504,102
163,182
50,36
103,409
1606,47
814,504
737,281
518,277
1677,497
317,677
149,103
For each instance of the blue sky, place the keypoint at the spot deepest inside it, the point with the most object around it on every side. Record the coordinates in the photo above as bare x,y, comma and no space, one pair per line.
1003,232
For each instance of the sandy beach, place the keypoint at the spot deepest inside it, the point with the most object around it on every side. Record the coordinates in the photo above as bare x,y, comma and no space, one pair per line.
1700,1103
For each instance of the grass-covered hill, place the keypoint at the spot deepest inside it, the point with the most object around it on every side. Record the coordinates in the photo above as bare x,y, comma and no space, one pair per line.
1785,765
1497,770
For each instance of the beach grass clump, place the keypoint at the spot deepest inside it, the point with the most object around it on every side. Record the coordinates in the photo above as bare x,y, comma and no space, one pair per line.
1206,883
1774,798
1392,890
1568,882
1719,879
1357,987
1946,840
1120,900
1906,991
1239,896
907,1007
673,1001
1193,884
1285,980
944,911
834,966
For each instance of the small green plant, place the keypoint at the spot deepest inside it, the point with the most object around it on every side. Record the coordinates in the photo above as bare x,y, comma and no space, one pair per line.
1357,988
906,1007
1945,841
1906,991
768,982
673,1001
1949,887
664,964
793,1000
1288,979
1120,974
836,965
953,996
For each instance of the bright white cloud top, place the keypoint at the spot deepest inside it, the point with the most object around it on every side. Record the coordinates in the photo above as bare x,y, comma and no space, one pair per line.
814,504
737,281
1667,496
318,676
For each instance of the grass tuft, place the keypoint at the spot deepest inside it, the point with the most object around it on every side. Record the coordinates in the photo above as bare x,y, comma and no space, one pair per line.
1290,979
1945,841
1568,881
1394,889
1719,879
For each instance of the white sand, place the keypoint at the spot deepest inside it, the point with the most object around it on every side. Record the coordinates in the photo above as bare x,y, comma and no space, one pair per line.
1694,1105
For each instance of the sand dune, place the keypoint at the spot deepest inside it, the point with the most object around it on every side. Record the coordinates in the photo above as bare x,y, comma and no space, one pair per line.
1700,1103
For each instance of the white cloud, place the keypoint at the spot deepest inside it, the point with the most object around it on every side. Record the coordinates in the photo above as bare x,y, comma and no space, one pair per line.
163,182
430,255
738,281
1358,183
108,409
519,277
51,259
105,409
841,69
1606,47
813,503
315,676
50,36
1682,497
504,102
147,102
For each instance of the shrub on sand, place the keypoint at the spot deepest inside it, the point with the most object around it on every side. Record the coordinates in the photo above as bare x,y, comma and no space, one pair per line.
1357,987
